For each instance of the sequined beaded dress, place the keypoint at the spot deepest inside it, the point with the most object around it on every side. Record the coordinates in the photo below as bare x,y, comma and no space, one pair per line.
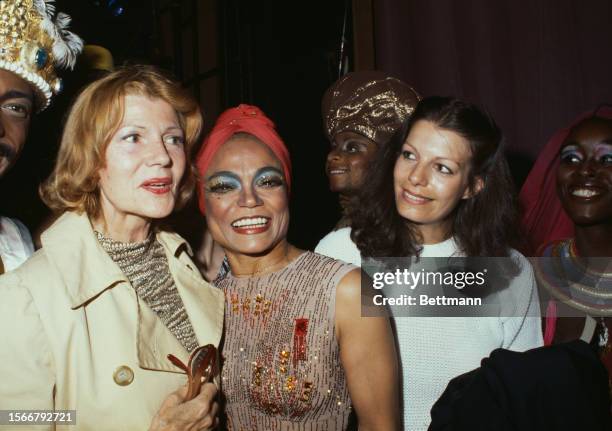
281,363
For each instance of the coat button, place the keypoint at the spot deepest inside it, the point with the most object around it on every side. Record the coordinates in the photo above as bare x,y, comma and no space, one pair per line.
123,375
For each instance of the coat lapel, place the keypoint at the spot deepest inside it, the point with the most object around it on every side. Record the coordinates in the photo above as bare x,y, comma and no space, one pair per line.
203,304
155,342
87,271
80,261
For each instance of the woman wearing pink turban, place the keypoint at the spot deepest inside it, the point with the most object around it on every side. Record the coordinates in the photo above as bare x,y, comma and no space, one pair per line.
297,352
567,216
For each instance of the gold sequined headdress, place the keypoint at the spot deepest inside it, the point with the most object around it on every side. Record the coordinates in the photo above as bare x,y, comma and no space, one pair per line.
370,103
34,42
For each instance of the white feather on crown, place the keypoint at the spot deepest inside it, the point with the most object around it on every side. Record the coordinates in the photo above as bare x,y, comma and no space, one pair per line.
35,42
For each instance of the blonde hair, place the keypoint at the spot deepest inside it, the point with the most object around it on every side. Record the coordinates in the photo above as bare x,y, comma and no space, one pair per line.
94,118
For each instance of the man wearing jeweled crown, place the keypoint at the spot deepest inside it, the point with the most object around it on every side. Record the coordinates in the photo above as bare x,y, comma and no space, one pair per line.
34,44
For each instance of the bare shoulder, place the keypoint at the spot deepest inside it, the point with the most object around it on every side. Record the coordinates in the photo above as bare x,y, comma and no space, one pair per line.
348,300
349,287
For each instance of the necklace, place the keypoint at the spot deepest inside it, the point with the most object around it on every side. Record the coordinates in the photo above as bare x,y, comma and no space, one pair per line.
575,257
568,280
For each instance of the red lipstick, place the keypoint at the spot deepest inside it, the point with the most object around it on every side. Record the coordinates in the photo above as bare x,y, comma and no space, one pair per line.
251,225
158,186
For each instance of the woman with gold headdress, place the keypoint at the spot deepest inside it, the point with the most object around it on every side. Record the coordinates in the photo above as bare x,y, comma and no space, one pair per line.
361,111
442,188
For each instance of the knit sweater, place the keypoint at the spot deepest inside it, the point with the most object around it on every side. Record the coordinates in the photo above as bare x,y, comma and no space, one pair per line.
145,264
433,350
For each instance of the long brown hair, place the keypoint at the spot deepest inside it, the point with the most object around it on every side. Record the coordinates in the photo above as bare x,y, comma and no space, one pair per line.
483,225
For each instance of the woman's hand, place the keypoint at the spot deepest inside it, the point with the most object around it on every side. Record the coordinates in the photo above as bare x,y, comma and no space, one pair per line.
199,414
367,352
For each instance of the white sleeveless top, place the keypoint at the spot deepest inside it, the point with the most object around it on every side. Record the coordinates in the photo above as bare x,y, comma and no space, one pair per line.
433,350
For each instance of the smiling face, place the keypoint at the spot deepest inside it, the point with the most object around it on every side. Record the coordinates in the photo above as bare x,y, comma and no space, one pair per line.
246,200
16,108
144,163
430,177
348,160
584,177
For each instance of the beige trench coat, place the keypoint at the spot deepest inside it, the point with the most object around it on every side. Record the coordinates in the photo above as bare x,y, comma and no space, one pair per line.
73,334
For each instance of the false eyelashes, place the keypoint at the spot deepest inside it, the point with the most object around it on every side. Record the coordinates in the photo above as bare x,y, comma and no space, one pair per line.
269,179
222,184
225,183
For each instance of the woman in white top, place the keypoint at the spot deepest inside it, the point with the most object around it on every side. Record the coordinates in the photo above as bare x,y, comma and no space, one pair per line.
442,187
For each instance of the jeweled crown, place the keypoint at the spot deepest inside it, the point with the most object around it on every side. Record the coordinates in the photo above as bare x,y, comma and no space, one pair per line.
35,43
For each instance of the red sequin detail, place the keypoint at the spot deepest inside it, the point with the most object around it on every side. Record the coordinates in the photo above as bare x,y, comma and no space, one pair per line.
299,340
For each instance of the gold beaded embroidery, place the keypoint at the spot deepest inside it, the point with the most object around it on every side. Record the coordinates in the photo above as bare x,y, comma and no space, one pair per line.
259,305
290,383
257,370
266,384
235,303
306,391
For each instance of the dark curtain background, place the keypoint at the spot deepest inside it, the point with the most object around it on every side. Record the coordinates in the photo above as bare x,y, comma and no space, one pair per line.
282,56
535,65
276,54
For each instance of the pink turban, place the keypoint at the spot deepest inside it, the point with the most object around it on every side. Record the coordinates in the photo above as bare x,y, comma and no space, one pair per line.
247,119
543,218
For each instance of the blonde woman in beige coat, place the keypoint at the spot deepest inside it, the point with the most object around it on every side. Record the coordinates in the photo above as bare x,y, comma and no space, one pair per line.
87,323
